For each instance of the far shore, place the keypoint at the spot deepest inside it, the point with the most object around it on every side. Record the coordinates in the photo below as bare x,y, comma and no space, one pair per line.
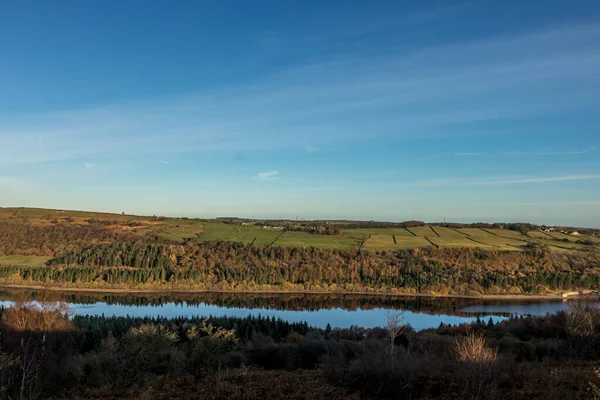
572,295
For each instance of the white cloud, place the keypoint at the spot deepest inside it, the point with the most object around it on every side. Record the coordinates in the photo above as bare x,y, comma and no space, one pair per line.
164,162
88,165
267,175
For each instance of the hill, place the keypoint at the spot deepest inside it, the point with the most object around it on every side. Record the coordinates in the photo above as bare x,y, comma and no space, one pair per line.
94,227
82,250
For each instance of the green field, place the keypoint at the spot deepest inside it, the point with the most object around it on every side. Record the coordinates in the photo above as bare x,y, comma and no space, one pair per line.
372,231
35,261
386,242
485,237
422,231
181,229
323,241
177,230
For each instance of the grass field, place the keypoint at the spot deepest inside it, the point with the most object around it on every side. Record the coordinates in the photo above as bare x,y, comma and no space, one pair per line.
371,231
485,237
386,242
422,231
505,233
177,230
370,238
592,239
34,261
258,236
323,241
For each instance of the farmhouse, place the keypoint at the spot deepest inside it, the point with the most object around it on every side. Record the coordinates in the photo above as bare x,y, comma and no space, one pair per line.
273,228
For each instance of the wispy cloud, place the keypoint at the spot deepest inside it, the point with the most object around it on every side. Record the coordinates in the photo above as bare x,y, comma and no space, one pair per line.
525,153
473,154
493,181
325,102
562,203
267,175
164,162
545,153
88,165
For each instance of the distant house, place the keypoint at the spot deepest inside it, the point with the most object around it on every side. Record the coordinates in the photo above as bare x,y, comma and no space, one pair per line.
247,223
273,228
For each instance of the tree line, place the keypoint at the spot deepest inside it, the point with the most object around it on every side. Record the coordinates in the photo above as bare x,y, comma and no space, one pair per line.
226,265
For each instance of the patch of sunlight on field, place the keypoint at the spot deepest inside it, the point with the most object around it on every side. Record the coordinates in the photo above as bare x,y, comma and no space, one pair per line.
322,241
592,239
376,231
421,231
177,230
34,261
501,243
572,238
540,235
259,236
442,237
386,242
507,233
559,244
221,231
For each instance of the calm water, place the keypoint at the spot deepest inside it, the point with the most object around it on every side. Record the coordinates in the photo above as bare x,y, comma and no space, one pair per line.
316,310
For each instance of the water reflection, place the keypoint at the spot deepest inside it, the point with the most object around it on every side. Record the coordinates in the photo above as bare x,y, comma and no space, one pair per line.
336,317
316,309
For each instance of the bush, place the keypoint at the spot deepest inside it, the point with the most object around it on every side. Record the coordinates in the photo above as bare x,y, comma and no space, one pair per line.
473,349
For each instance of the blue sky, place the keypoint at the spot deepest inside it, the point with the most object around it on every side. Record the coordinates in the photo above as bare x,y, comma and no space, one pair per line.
388,110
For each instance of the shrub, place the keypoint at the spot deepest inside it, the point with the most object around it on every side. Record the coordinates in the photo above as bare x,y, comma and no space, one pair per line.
473,349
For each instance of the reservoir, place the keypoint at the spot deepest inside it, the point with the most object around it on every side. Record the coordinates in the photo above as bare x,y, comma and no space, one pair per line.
338,310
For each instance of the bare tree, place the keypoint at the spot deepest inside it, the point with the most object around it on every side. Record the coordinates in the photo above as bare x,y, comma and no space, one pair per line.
30,365
395,326
582,320
472,348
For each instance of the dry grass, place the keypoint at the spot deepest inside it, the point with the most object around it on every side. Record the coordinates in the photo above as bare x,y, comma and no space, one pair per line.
232,384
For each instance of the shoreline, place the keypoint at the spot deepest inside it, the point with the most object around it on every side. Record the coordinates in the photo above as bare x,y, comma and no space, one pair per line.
548,297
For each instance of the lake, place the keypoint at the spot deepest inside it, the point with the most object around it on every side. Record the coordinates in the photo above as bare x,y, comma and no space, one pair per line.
338,310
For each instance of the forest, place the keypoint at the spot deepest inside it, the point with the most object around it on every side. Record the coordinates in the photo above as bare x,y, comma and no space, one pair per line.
237,266
68,249
46,354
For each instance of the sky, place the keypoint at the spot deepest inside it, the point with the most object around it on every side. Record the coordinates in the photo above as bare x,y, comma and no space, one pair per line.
388,110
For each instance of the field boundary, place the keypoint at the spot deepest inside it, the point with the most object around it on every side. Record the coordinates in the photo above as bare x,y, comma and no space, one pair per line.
276,239
503,237
433,230
411,232
502,247
238,235
364,242
437,246
550,236
477,241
